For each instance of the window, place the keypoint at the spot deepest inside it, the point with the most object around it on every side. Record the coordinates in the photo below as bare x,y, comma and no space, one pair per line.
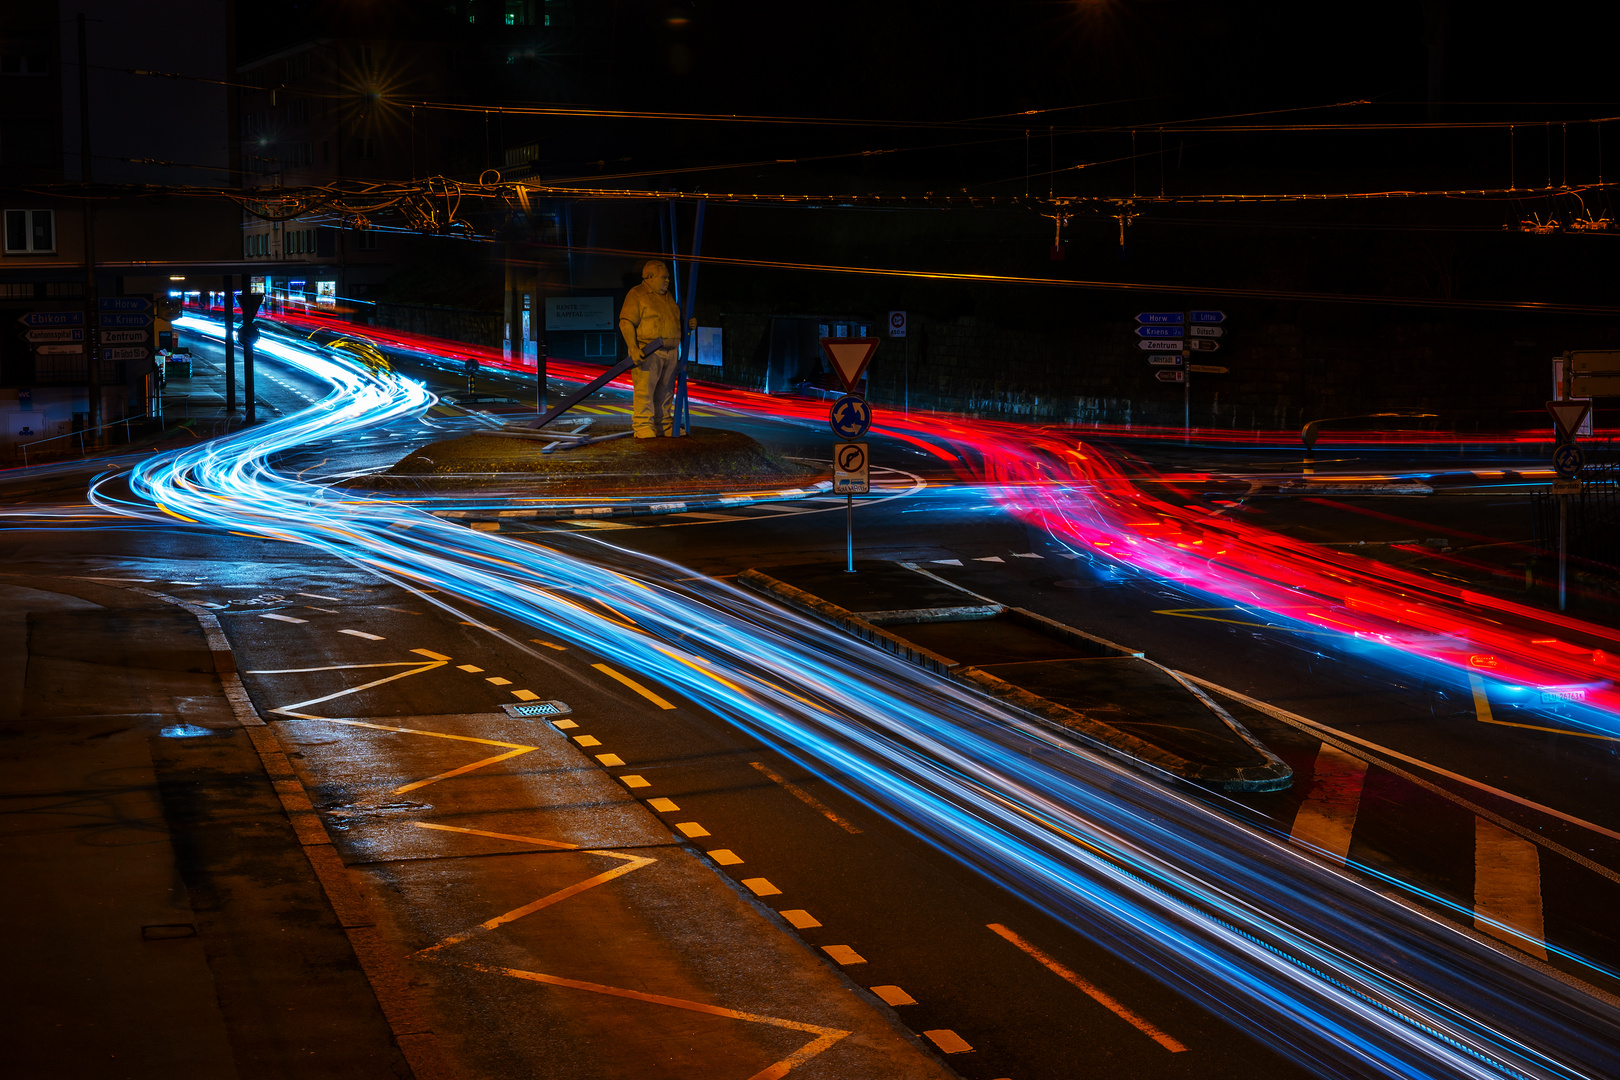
298,110
24,291
599,343
364,149
30,232
64,290
521,155
301,154
366,240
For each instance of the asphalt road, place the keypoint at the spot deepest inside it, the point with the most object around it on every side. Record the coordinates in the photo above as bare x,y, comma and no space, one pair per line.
1459,810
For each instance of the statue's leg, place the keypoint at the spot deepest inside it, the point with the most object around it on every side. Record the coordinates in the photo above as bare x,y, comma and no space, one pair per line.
666,396
644,380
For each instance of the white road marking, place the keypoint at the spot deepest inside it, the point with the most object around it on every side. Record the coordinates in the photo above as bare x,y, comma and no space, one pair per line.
1327,818
1027,555
313,596
991,558
1507,888
362,634
282,618
946,562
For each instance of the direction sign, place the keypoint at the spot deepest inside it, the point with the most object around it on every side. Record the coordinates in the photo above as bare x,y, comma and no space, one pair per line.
850,417
123,303
1568,416
1566,486
1170,376
126,352
1201,344
1206,317
126,320
849,357
65,347
852,469
1593,373
125,337
1164,361
1209,369
53,318
63,334
1151,345
897,324
1159,331
1161,318
1206,331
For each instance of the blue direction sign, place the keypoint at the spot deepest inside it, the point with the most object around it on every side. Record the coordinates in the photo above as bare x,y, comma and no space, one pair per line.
123,303
1206,316
1568,460
53,318
1158,331
126,320
850,417
1160,318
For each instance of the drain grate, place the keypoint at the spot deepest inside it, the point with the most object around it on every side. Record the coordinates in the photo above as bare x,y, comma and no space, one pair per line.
547,709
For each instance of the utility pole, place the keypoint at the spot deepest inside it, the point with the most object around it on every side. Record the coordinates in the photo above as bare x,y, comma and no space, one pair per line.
230,344
250,334
92,314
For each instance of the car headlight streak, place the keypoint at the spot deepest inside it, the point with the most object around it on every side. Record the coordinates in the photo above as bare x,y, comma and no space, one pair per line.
1310,961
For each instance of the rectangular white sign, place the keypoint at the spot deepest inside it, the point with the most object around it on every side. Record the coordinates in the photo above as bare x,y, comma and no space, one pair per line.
580,313
708,346
125,337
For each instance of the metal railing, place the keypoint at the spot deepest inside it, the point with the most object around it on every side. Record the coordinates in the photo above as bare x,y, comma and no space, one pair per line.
80,434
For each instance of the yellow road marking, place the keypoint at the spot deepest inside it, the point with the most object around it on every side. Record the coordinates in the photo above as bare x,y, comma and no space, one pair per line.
1482,704
663,806
1507,888
287,710
525,695
420,731
800,918
805,797
632,684
633,781
550,644
1192,613
1103,999
1327,818
1482,712
496,835
461,770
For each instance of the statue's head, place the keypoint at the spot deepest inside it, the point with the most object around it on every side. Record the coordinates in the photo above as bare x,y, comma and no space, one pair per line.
658,274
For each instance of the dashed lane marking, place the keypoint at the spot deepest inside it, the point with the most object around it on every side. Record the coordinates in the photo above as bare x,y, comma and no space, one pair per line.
550,644
471,668
761,887
563,725
725,857
632,684
611,761
691,829
1327,817
843,954
1097,995
805,797
663,806
893,995
824,1037
990,558
587,740
281,618
946,562
362,634
525,695
314,596
633,781
431,655
799,918
948,1041
498,681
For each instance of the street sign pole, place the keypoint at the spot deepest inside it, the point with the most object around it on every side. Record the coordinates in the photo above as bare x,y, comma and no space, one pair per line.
1563,553
230,344
1186,396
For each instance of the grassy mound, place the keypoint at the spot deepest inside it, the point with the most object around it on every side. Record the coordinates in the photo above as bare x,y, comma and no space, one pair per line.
707,460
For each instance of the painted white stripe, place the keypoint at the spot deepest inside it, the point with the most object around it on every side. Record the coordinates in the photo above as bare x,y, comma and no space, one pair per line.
281,618
1507,888
362,634
1328,816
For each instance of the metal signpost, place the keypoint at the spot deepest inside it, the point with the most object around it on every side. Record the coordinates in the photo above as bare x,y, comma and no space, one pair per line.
1567,461
849,418
1182,333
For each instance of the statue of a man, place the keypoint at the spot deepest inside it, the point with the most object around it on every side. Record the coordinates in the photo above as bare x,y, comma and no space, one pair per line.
651,325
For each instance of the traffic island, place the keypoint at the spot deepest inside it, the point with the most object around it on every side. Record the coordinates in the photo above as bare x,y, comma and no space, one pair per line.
602,461
1107,694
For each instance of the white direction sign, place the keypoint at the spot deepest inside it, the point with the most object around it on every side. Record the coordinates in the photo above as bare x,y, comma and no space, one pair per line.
852,469
127,352
1206,331
1568,415
66,347
1164,361
849,357
62,334
1151,345
125,337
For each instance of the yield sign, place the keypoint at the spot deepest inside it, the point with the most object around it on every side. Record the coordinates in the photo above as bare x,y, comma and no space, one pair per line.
849,357
1568,415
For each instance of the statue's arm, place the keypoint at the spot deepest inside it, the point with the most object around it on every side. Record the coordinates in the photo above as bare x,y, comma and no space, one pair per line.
629,319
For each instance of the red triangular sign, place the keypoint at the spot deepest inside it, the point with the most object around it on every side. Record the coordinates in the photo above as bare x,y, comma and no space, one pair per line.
849,357
1568,415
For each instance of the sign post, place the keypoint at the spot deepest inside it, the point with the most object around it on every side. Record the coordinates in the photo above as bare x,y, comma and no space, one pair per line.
1567,460
248,335
852,476
850,418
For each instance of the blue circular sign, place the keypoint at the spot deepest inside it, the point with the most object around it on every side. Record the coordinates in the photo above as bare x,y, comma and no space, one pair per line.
1568,460
850,417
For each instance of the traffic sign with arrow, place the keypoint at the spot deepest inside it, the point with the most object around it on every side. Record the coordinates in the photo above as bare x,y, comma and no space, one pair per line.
1164,361
1568,460
1568,415
850,417
1170,376
1160,346
53,318
1206,331
123,303
1206,316
62,334
849,357
1161,318
1209,369
125,337
1203,345
1159,331
117,319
